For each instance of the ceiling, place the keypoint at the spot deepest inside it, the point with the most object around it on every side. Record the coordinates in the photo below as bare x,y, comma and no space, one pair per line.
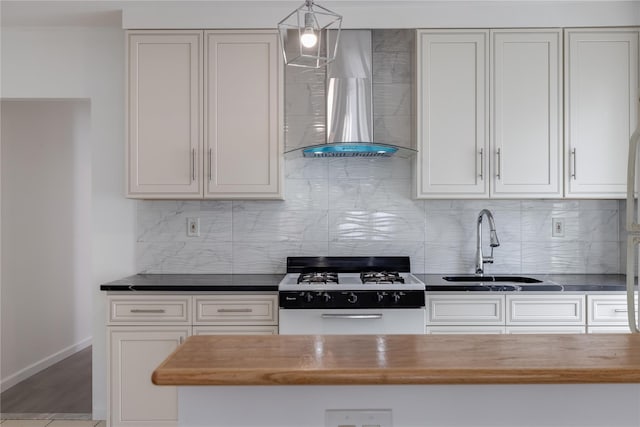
109,13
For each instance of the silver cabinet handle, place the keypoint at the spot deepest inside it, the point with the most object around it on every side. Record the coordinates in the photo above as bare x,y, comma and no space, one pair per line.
193,164
210,159
235,310
573,157
481,153
148,310
181,340
352,316
621,310
499,165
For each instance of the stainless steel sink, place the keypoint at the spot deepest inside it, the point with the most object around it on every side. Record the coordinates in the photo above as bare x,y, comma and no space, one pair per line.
494,284
471,288
541,288
482,279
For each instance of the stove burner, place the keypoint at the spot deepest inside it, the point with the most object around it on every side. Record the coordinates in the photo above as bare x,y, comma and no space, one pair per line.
381,277
318,278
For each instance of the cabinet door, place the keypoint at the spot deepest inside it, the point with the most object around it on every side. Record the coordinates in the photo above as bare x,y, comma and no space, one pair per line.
468,310
164,114
526,108
452,114
550,310
243,116
601,108
134,352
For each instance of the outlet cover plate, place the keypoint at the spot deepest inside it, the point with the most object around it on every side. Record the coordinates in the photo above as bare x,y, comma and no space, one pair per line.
193,227
557,225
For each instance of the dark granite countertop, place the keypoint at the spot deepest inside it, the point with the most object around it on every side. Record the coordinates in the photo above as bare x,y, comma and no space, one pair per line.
269,282
195,283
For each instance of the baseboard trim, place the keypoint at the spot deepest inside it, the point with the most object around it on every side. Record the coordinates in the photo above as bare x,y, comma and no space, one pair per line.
37,416
23,374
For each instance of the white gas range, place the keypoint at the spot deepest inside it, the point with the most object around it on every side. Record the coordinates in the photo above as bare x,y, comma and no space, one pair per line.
351,295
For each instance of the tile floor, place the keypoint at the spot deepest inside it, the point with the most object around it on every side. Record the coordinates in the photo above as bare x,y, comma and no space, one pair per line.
52,423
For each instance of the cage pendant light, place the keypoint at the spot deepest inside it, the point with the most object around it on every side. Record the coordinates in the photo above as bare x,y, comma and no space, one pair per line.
309,36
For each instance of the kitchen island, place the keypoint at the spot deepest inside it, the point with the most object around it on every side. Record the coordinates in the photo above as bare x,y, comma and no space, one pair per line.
406,380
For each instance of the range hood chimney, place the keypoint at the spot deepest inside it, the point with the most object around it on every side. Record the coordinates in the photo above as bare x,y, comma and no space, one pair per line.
349,92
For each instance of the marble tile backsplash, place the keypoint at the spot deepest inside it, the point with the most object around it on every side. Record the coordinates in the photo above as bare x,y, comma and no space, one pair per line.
364,207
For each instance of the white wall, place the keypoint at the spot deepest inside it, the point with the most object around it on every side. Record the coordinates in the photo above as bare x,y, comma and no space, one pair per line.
46,242
67,62
390,13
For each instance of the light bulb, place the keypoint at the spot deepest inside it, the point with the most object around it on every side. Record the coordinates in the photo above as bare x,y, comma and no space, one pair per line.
308,38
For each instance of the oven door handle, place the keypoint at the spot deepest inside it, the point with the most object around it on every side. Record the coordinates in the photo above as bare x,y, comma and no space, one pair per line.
352,316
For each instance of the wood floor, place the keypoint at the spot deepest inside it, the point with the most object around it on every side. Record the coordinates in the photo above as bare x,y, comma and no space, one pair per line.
61,391
51,423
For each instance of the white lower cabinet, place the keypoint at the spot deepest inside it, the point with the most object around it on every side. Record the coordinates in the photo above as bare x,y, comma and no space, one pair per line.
545,310
134,352
143,330
467,310
236,310
608,313
465,314
505,313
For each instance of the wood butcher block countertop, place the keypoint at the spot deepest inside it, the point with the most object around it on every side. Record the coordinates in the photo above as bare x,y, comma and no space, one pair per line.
402,359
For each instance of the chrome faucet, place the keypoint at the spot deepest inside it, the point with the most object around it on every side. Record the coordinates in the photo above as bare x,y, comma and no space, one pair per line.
493,241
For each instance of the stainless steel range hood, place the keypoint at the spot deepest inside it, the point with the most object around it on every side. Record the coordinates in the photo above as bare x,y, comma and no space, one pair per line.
349,93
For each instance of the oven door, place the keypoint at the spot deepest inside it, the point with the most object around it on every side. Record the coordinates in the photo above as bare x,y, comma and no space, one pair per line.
352,322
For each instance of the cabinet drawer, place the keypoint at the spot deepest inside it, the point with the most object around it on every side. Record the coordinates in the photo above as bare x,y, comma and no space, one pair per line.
149,310
470,310
607,310
546,310
236,310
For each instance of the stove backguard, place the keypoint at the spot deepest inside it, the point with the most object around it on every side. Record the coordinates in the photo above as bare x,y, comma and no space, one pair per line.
348,264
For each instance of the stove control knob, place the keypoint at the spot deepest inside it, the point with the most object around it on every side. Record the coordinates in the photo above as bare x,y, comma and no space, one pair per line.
308,296
352,298
396,296
325,295
381,296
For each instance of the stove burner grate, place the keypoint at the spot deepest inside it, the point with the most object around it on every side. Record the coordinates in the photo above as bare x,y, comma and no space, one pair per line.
324,277
381,277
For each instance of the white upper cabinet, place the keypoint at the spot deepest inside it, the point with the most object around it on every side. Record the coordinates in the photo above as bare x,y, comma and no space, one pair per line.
452,114
164,112
204,115
601,109
526,113
468,79
243,115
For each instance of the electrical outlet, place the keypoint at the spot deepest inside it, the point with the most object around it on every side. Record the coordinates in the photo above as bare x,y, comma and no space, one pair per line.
193,227
557,225
358,418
